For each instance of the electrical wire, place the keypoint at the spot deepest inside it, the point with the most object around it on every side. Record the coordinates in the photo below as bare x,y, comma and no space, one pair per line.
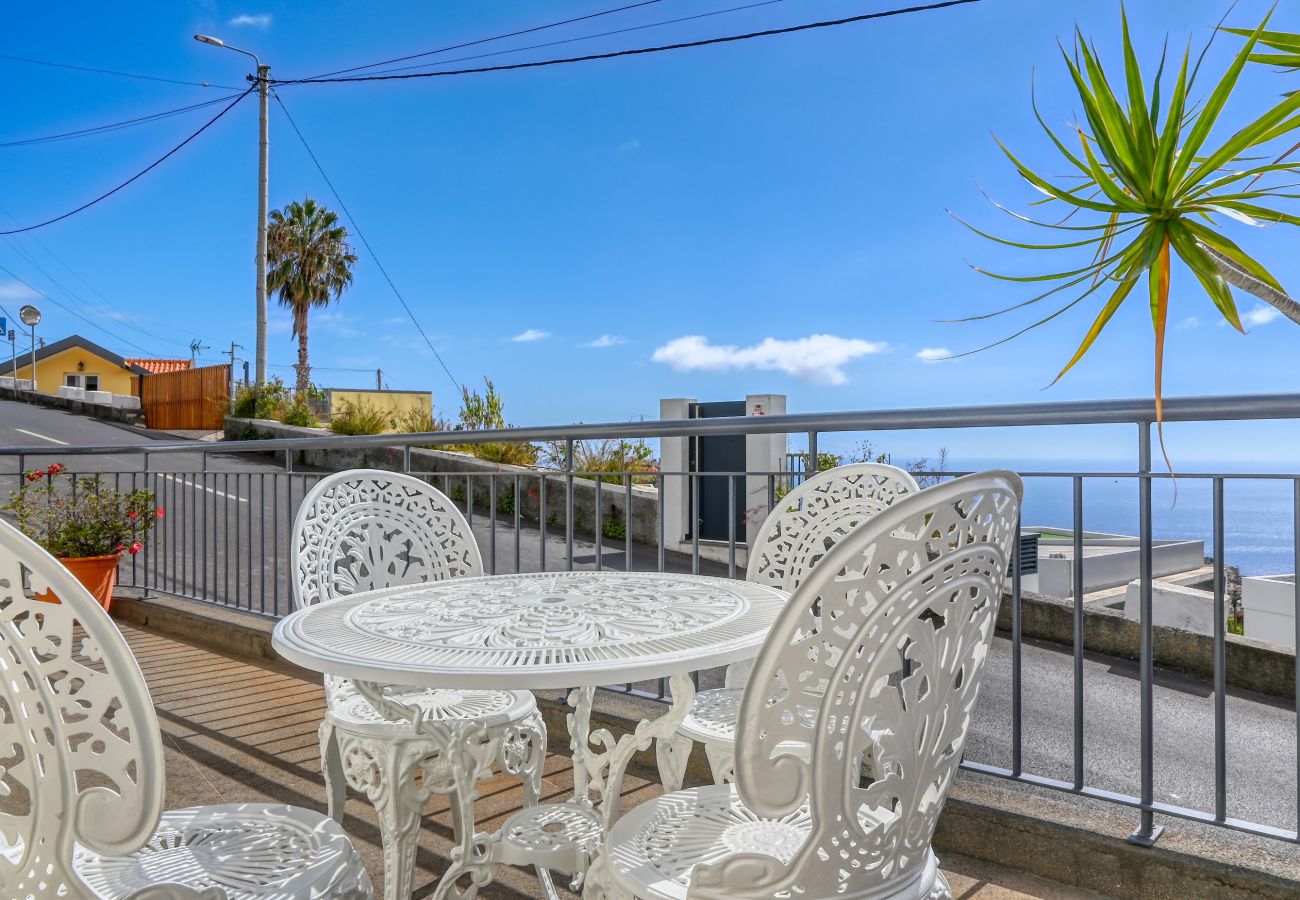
67,291
638,51
353,222
138,175
112,126
585,37
71,311
77,68
488,40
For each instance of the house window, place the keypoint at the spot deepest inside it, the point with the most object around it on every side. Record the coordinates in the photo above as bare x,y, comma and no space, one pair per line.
78,380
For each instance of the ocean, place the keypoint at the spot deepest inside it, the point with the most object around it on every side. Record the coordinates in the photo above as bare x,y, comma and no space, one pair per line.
1259,534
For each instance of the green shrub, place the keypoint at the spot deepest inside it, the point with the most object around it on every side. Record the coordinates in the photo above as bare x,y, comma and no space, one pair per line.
299,414
614,529
262,401
359,418
418,421
617,456
485,411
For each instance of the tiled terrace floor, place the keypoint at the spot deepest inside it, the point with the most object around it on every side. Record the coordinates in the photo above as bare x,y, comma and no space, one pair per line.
236,731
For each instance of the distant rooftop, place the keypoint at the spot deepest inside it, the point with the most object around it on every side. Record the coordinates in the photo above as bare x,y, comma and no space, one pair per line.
161,366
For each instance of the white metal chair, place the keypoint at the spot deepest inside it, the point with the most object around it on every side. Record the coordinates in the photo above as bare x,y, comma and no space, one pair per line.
367,529
81,772
802,527
882,650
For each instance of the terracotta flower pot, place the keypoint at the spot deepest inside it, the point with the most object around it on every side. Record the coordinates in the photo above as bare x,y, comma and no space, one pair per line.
97,573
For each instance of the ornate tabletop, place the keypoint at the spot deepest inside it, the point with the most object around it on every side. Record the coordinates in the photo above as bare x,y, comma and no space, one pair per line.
539,630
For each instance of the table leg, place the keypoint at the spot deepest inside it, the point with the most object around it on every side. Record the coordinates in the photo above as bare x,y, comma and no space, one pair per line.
465,748
604,769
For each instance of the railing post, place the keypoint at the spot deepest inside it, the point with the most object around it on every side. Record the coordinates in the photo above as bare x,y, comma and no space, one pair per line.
1220,661
568,504
1148,832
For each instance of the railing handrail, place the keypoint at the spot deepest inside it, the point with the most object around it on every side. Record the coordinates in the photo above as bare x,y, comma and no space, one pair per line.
1133,411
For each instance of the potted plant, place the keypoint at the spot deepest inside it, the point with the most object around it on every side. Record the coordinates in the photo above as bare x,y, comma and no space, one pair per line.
85,524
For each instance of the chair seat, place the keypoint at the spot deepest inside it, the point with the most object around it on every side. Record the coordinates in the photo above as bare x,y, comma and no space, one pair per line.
713,715
654,849
353,711
250,851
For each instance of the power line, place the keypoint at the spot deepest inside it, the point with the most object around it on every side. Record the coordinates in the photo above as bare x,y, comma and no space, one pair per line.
639,51
487,40
112,126
73,312
138,175
72,295
585,37
77,68
366,243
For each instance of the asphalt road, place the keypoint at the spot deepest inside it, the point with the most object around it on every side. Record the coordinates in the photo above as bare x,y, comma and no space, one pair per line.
238,552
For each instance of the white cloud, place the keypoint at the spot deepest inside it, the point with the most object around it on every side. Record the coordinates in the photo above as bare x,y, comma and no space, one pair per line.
629,146
606,340
16,290
933,354
818,358
247,20
1188,324
335,322
1260,315
278,324
532,334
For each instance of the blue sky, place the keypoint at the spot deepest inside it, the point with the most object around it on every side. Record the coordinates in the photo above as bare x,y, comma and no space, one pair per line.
683,224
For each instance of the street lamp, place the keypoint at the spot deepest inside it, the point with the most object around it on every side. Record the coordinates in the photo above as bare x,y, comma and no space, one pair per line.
262,80
31,317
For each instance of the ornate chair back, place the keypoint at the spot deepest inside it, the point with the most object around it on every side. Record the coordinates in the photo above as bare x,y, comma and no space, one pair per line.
81,757
367,529
813,518
817,515
882,647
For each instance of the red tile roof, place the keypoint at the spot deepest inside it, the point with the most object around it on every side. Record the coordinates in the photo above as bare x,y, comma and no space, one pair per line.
160,366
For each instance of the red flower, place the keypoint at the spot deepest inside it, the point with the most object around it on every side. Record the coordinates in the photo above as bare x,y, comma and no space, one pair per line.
160,512
132,514
118,549
35,476
136,547
56,468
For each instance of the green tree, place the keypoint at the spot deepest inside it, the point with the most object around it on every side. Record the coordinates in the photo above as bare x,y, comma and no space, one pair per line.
1146,187
309,264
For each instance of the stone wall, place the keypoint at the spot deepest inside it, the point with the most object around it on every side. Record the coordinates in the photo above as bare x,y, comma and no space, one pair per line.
128,413
474,475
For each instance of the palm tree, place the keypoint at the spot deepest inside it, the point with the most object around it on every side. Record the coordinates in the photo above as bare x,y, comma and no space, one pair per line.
309,264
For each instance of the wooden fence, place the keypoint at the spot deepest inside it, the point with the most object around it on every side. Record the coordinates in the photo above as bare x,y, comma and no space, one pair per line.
193,399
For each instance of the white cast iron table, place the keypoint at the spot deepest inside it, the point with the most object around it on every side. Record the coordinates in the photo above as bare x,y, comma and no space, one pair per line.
570,630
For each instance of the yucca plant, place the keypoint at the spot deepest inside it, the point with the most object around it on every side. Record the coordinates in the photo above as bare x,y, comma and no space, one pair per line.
1146,189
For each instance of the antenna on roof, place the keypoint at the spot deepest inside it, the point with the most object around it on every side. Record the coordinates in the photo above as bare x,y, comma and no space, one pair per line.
195,348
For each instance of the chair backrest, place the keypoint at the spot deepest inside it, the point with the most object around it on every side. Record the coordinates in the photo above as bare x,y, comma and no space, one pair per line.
80,748
881,648
816,515
367,529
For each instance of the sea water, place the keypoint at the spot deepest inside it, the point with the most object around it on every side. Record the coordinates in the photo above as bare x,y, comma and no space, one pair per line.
1259,514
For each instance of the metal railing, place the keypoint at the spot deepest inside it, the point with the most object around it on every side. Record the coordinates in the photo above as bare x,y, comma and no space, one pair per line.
230,505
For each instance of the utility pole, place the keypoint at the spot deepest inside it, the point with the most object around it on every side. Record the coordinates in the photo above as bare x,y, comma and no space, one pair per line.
263,81
231,372
379,379
263,186
13,350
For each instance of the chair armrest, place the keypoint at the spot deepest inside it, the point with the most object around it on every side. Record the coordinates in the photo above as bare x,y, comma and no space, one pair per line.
173,891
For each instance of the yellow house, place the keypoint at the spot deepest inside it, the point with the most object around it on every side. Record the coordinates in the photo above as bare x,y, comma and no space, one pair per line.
77,362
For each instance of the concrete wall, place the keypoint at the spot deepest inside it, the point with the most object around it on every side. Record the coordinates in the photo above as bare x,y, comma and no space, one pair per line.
50,371
393,404
122,409
1253,665
613,498
1269,606
1173,606
1056,576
